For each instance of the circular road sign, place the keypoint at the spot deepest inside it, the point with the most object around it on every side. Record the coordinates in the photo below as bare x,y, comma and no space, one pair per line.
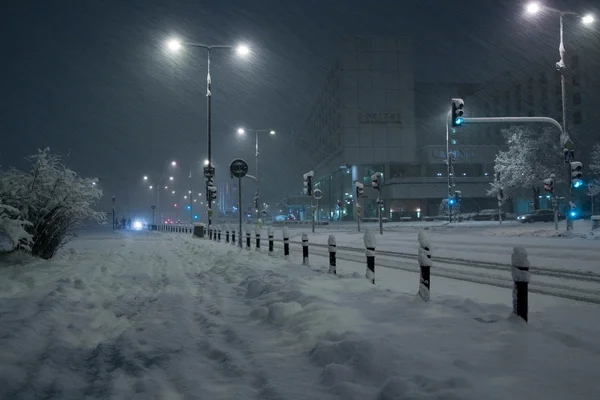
317,194
238,168
263,213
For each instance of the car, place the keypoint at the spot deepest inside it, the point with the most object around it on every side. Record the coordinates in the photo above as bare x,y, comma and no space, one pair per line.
488,215
539,216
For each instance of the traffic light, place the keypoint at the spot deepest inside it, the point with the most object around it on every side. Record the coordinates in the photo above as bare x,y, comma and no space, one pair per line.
453,136
452,201
211,189
359,189
376,180
457,112
308,183
256,202
549,185
458,196
573,210
576,174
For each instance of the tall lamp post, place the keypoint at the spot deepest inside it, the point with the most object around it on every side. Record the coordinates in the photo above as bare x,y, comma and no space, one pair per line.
242,131
561,66
158,186
209,170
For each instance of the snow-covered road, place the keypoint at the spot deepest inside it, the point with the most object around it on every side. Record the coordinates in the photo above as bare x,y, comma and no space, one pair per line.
165,316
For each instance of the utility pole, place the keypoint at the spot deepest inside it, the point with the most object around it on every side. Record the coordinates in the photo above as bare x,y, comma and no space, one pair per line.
113,213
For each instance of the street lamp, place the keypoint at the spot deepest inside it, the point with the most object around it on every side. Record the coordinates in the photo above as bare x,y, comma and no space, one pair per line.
242,131
145,178
175,45
173,163
561,66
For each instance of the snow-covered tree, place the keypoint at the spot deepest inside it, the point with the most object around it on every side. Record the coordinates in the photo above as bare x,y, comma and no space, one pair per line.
595,161
13,227
532,156
53,198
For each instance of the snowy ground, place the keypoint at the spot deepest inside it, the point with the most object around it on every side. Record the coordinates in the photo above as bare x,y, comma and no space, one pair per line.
165,316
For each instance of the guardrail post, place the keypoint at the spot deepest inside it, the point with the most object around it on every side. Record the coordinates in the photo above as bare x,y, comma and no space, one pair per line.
520,275
286,242
248,246
219,234
304,249
257,237
425,265
227,234
233,237
270,233
370,243
332,251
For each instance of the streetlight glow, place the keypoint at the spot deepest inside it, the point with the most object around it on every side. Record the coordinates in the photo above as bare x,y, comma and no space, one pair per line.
588,19
174,45
205,162
173,192
272,132
150,187
145,178
173,163
185,197
241,131
533,8
242,50
170,178
166,187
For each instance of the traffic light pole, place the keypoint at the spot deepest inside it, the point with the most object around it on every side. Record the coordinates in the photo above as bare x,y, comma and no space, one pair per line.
448,165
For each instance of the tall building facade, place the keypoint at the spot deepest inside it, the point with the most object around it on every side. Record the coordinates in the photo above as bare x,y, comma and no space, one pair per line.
369,117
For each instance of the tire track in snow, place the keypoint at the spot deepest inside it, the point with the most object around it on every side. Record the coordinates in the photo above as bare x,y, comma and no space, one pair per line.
232,356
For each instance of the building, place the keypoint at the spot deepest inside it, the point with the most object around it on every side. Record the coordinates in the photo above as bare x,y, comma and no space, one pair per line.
371,117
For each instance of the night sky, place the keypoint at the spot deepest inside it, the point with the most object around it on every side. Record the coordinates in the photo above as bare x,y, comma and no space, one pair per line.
92,79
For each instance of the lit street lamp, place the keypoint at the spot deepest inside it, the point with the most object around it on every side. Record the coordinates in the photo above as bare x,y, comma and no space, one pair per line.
175,45
242,131
561,66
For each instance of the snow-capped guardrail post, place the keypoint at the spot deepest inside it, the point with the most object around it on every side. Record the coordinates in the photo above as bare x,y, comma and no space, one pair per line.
219,234
424,265
233,237
286,242
210,232
257,236
370,243
304,249
270,234
227,234
520,276
248,245
332,250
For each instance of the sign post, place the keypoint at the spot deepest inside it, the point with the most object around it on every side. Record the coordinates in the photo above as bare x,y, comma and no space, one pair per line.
239,169
317,194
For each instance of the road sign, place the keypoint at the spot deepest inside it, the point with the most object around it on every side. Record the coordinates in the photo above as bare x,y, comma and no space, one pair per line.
153,207
263,213
209,172
238,168
317,194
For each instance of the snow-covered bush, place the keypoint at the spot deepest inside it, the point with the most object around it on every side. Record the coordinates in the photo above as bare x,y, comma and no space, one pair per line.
531,157
13,227
53,198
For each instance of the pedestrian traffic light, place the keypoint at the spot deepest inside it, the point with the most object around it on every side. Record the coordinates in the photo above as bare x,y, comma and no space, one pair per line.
376,180
457,112
573,210
576,174
549,185
451,200
211,189
458,196
256,202
359,189
308,183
